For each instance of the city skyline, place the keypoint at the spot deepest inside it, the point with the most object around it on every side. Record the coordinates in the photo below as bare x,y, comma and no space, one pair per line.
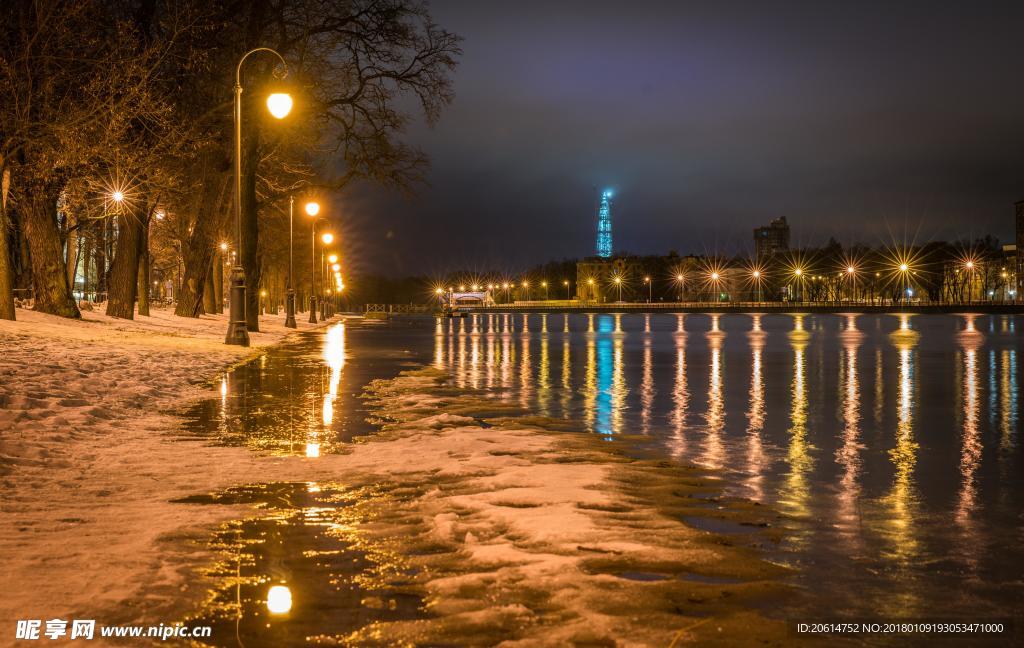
707,122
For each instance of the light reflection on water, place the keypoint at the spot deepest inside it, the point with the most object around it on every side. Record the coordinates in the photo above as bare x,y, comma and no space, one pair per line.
302,398
890,440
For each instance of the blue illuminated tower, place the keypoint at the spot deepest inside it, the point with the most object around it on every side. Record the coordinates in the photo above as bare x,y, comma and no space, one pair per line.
604,225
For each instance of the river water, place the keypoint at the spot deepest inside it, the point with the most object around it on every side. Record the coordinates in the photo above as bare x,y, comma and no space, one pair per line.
890,443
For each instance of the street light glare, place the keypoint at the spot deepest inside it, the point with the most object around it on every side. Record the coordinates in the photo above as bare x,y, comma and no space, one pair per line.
849,269
327,238
335,267
313,208
279,599
333,258
279,104
904,267
118,196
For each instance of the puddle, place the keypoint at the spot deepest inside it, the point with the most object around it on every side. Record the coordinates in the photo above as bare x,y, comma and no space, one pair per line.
303,398
301,570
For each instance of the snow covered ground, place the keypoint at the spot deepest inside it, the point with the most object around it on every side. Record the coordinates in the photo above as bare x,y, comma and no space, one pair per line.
544,538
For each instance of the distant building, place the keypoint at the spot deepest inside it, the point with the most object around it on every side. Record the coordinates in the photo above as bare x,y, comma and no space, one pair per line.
774,238
595,278
604,225
1020,246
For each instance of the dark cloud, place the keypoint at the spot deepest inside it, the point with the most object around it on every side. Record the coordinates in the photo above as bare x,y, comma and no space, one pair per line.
707,119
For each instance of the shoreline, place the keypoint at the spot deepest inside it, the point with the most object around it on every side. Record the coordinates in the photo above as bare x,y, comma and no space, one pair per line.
755,308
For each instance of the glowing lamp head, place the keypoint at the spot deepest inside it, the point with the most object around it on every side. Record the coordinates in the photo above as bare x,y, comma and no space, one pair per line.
279,104
757,274
223,247
118,196
590,281
312,208
798,272
476,287
505,286
438,291
679,277
970,265
714,276
565,283
904,267
618,280
333,258
327,238
279,597
335,267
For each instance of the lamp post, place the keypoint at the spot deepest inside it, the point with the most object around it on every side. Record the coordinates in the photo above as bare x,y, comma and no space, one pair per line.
289,300
756,274
312,269
681,280
650,289
326,238
903,268
566,283
618,282
544,285
279,105
590,282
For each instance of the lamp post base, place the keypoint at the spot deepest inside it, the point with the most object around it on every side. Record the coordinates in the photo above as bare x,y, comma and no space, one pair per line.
238,332
312,310
289,307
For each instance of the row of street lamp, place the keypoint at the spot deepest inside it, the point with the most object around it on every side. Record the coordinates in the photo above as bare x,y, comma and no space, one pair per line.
902,269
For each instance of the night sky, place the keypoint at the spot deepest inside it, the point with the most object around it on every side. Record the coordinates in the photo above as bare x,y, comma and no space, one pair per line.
870,122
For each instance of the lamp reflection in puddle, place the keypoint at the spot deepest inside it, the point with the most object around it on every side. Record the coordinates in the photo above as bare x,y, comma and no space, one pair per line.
279,599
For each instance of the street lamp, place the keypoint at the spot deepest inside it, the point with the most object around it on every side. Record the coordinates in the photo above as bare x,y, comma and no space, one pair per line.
590,282
279,105
526,286
681,282
618,282
328,238
544,285
650,289
565,282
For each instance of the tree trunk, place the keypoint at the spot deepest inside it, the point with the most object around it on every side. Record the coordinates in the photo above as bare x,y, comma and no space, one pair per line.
144,279
209,293
218,280
6,269
99,259
209,220
124,272
49,274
